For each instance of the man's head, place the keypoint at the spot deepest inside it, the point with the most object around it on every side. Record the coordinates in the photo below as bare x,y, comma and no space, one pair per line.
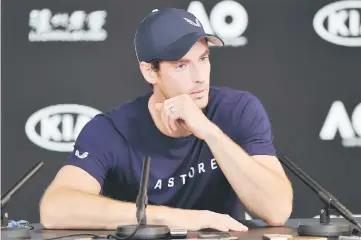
172,50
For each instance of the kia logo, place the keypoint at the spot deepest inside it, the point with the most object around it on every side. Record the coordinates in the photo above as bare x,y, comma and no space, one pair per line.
57,127
343,25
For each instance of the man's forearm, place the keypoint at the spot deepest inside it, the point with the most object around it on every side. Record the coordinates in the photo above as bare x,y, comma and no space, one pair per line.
72,209
263,191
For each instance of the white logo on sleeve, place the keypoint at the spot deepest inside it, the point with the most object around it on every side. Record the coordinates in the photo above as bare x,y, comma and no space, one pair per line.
82,156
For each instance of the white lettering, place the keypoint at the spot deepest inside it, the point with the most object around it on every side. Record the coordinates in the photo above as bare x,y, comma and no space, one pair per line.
339,23
183,176
337,119
171,182
60,19
213,163
56,126
231,9
189,173
355,23
230,31
77,26
201,167
159,184
199,11
355,142
356,119
68,127
49,128
76,20
40,20
336,23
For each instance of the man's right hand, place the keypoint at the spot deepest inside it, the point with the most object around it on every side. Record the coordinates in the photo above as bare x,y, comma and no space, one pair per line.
195,220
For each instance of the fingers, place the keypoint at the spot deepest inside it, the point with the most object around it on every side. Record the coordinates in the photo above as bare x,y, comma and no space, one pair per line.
168,115
159,106
221,222
212,221
224,222
217,225
171,112
233,224
172,122
165,118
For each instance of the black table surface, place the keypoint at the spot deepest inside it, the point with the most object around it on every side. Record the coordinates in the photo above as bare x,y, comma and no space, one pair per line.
257,229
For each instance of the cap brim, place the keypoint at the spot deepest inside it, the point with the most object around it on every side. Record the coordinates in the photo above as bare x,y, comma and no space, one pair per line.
180,47
214,40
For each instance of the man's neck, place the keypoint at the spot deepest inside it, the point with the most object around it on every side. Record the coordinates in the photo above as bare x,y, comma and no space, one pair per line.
157,119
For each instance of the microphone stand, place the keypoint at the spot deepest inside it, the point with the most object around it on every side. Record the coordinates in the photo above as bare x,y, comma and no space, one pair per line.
16,232
324,228
142,230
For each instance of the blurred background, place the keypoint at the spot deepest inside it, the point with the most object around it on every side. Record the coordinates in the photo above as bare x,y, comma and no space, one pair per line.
64,61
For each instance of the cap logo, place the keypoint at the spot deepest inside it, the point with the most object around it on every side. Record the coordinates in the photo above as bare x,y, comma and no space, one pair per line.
196,24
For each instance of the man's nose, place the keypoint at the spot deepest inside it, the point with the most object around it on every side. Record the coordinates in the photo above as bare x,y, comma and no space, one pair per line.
196,75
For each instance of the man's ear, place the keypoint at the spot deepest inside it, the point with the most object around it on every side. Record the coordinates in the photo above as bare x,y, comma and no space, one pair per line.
148,72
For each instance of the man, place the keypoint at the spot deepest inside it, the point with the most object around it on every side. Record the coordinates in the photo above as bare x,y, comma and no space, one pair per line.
211,148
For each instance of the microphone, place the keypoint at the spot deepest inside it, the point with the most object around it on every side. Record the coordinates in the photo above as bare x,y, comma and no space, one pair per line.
324,228
142,230
142,198
7,196
19,232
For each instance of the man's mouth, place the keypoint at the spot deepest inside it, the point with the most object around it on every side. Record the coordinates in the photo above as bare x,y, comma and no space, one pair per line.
198,91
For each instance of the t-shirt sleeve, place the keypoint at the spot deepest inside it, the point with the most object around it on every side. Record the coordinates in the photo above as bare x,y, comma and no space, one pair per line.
255,133
93,149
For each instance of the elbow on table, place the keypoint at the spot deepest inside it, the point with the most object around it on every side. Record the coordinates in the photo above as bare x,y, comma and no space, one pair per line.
276,222
48,222
47,217
51,217
279,218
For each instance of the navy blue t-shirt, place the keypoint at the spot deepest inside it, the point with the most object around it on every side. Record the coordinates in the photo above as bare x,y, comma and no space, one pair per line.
183,172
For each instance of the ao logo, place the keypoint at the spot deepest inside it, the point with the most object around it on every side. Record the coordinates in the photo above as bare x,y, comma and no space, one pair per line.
340,23
56,127
338,120
228,20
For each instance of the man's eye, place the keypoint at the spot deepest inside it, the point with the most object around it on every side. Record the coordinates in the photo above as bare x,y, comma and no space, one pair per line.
181,66
204,58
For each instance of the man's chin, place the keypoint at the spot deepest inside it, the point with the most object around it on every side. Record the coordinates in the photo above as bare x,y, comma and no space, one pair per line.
202,102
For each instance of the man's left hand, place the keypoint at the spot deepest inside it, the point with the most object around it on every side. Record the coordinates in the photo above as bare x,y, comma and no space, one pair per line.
182,111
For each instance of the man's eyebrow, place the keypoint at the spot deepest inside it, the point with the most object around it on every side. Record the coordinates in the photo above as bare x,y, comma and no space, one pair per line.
186,60
205,53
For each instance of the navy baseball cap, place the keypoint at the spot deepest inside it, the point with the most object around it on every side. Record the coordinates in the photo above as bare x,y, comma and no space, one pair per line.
168,34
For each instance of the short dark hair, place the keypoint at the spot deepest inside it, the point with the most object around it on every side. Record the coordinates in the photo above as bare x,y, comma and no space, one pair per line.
155,64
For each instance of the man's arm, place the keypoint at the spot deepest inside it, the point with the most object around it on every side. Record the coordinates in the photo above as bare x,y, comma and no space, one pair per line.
72,201
259,181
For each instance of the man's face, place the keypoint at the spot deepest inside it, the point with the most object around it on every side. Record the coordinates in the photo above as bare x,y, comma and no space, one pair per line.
188,75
